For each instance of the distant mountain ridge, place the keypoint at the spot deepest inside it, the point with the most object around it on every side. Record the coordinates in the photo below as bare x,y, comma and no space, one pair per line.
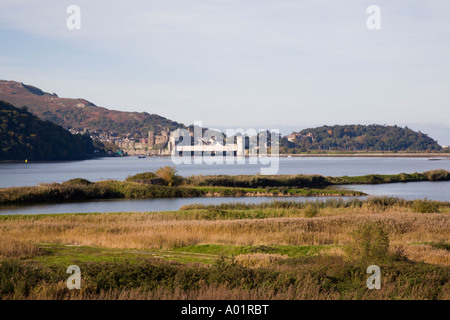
81,113
358,138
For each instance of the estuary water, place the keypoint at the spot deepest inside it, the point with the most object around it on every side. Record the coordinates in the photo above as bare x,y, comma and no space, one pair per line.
142,205
28,174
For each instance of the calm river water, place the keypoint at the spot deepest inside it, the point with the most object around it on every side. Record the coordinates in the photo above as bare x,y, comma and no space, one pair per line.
28,174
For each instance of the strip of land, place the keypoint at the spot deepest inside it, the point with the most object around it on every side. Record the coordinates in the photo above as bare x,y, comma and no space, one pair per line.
444,156
165,183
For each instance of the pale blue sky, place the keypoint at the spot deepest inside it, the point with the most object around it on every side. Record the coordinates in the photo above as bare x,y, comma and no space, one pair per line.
240,63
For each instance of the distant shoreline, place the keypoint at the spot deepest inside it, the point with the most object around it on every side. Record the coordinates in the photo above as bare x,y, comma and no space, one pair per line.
373,155
434,156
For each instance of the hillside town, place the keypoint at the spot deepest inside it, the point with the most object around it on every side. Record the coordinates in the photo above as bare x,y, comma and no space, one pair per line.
153,144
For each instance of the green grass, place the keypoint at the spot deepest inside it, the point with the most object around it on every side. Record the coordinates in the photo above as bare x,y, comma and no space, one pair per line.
233,250
64,255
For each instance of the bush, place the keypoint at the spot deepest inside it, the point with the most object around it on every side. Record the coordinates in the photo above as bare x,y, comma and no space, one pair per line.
77,181
169,175
437,175
143,175
18,279
370,244
425,206
374,179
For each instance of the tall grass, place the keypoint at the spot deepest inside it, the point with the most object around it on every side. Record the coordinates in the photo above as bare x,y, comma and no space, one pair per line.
258,181
14,248
74,191
311,181
375,203
241,227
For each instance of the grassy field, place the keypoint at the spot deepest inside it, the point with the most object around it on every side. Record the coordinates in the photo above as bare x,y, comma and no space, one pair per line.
279,250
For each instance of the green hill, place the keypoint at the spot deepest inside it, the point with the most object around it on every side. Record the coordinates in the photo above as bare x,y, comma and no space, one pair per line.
25,136
358,138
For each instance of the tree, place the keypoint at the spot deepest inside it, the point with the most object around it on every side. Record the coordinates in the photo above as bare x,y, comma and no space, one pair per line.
169,175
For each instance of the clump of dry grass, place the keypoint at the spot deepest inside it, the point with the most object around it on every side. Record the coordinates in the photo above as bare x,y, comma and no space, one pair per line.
259,260
428,254
12,248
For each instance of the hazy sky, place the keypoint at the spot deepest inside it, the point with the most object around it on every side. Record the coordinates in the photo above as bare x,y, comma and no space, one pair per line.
240,63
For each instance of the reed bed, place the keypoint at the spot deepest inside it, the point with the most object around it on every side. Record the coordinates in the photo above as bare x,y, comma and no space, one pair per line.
152,231
11,247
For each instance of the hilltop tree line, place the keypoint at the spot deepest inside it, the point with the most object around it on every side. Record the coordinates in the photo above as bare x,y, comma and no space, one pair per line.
24,136
358,138
79,118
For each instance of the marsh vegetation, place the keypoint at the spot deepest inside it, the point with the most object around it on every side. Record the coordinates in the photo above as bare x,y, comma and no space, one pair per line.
279,250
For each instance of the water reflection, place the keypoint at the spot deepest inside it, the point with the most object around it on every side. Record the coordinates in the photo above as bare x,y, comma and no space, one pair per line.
143,205
411,190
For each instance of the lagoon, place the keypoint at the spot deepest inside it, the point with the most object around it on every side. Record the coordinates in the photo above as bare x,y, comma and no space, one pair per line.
30,174
141,205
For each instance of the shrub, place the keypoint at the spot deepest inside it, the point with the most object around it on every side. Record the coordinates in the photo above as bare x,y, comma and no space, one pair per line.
143,175
425,206
370,244
374,179
169,175
77,181
437,175
18,279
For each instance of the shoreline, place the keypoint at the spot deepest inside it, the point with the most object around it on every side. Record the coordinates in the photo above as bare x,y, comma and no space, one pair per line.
444,156
434,156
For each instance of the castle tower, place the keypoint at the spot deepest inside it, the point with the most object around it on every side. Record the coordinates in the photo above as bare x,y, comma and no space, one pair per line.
165,134
151,139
